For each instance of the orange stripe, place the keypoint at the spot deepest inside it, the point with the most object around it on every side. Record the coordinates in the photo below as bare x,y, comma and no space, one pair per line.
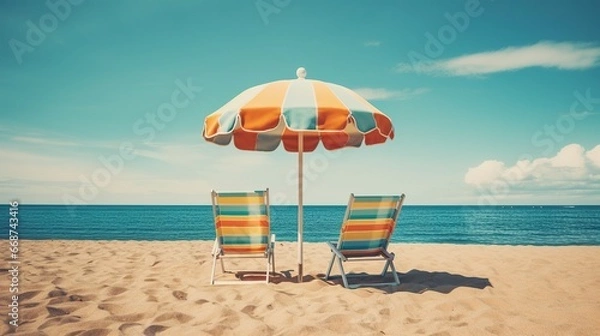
290,141
245,140
360,237
241,200
211,125
263,111
376,227
334,140
244,249
244,231
386,205
332,113
374,137
232,224
369,221
383,123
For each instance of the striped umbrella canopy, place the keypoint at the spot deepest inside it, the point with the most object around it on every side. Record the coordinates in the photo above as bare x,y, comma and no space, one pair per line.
300,113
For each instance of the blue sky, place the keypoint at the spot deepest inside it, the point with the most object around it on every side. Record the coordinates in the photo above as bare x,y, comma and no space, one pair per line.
493,102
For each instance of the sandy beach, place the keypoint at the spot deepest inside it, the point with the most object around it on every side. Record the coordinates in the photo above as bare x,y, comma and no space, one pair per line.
162,288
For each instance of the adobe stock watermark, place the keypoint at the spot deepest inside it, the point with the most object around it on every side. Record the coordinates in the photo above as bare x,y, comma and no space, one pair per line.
58,11
147,128
549,137
435,45
267,8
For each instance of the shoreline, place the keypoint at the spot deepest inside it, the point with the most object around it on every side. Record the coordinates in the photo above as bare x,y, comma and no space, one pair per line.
294,242
162,287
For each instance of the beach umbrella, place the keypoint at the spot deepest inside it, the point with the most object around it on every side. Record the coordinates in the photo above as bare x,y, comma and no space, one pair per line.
300,113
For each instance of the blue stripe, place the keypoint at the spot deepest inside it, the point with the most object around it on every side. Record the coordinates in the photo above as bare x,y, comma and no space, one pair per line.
371,213
362,244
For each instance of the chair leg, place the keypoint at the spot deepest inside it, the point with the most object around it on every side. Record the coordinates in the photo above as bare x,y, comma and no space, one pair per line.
273,253
268,268
273,261
330,266
214,266
344,279
385,268
394,273
222,265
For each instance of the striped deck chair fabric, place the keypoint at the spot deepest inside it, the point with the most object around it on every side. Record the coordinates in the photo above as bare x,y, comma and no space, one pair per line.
366,231
242,224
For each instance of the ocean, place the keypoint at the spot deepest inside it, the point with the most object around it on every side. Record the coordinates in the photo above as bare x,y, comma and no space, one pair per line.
489,225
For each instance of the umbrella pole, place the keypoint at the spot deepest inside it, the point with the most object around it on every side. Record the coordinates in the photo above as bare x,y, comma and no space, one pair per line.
300,203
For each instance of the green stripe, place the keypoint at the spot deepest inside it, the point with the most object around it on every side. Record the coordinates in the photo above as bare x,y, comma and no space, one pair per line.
371,213
241,194
370,199
238,210
243,240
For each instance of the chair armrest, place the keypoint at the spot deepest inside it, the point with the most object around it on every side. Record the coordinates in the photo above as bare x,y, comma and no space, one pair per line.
335,250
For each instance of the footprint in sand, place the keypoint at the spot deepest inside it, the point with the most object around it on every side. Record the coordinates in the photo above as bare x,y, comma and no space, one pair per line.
121,313
249,309
116,291
153,329
57,281
57,292
131,329
179,295
62,320
93,332
83,298
410,320
175,316
230,318
28,295
58,300
129,317
29,313
285,299
53,312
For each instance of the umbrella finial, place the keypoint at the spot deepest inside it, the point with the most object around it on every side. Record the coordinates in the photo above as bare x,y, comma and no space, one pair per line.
301,73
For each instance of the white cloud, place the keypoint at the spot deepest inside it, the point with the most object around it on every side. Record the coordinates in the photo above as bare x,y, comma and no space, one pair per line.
173,154
571,169
593,156
372,43
546,54
486,171
40,167
42,141
386,94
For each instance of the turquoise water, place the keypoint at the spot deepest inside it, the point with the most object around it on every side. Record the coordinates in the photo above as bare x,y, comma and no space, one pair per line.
517,225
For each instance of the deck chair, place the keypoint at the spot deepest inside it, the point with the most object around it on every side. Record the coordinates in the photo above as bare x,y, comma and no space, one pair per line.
366,231
242,223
